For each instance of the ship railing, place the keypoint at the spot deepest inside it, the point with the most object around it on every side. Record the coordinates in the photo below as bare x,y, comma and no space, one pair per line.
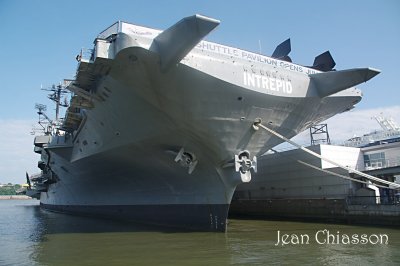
393,199
113,29
85,55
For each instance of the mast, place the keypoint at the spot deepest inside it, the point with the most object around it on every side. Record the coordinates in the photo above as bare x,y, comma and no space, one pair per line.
57,91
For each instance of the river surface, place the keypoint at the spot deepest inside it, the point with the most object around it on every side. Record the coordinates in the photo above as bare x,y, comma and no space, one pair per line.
32,236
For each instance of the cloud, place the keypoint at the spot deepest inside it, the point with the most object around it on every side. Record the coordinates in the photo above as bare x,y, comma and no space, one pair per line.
16,151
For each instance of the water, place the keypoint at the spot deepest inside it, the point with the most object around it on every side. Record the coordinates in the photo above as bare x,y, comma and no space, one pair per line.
32,236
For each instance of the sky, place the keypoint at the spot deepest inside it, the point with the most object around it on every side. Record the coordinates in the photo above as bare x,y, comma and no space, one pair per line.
40,40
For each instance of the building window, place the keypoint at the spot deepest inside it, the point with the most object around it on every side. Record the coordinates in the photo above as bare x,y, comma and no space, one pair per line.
374,160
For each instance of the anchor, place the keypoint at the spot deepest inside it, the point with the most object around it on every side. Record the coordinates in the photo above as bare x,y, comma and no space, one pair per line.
186,159
243,165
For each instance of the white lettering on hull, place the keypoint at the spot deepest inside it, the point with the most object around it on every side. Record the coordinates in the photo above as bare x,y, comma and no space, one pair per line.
267,83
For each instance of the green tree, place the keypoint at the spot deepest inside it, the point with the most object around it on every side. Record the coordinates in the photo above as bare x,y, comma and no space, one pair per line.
7,190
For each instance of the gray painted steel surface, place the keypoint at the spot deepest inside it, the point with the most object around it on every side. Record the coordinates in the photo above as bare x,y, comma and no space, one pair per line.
158,117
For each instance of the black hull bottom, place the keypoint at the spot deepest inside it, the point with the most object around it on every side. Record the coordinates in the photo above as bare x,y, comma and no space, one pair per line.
196,217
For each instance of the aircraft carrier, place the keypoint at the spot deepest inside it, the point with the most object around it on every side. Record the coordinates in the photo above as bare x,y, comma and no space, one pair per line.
161,125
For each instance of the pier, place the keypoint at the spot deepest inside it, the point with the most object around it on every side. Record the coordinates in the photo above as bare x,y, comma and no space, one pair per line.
289,189
14,197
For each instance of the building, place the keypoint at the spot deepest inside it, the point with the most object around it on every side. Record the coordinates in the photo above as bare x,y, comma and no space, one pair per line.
290,186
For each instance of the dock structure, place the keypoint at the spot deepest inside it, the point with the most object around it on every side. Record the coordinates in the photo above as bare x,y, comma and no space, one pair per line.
14,197
288,186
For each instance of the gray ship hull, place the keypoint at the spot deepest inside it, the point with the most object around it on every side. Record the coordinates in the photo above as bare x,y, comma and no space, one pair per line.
123,165
121,156
190,217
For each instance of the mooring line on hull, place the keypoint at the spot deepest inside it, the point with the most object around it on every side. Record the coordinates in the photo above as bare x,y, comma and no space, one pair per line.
340,175
394,185
330,172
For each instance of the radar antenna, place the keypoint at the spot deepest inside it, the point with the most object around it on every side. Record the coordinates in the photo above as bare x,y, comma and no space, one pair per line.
55,96
47,124
44,121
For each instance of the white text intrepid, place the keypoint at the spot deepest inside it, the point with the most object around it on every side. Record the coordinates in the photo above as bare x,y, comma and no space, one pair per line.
268,83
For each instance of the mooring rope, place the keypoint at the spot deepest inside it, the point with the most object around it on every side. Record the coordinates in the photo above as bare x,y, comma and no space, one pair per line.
394,185
327,171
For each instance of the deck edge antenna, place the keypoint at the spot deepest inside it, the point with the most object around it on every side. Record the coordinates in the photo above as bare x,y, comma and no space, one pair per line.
57,91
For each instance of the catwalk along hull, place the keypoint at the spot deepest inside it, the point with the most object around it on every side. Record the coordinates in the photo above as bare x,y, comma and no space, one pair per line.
154,143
